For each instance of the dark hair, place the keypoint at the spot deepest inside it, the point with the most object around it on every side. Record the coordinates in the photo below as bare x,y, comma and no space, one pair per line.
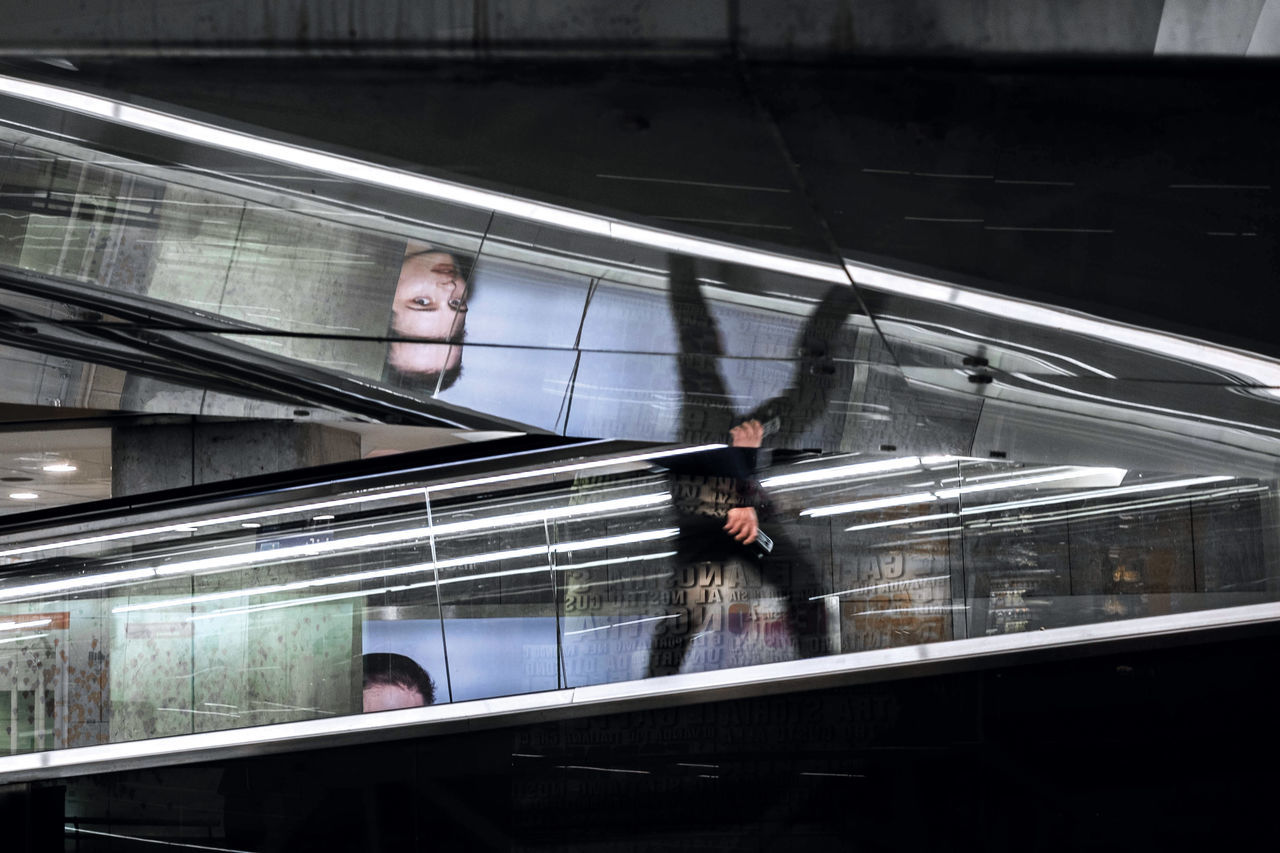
393,670
464,263
420,381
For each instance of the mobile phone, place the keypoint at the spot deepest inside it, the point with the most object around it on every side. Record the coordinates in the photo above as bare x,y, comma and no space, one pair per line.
763,542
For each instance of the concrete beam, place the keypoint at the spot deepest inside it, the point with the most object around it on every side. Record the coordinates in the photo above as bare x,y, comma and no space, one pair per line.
793,28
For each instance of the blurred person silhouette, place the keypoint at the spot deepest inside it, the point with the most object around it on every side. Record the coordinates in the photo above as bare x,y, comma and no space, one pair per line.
722,512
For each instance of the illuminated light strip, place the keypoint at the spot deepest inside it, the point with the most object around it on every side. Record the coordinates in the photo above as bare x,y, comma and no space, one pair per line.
897,521
67,584
470,560
425,491
1150,408
294,155
924,608
1109,509
269,589
568,567
314,549
131,838
621,624
882,586
580,466
373,574
1095,493
922,325
725,252
317,548
999,485
633,502
1004,475
875,503
25,637
1072,473
359,593
1262,371
383,573
835,473
34,623
1124,507
410,182
189,526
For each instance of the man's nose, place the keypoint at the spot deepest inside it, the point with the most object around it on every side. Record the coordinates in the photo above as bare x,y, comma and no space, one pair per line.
457,294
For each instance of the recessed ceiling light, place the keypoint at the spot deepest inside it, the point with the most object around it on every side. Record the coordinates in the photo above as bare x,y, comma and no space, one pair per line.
23,496
250,524
322,518
60,467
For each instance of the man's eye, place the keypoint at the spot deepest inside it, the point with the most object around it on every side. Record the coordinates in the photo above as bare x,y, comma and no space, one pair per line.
449,271
421,300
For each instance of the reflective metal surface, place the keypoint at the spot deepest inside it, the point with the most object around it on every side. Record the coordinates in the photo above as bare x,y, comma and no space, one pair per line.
422,589
914,460
571,317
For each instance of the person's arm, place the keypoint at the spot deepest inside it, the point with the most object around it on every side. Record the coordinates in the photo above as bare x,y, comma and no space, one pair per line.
743,523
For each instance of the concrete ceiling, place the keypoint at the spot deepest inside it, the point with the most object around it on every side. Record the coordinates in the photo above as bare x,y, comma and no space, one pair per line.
790,28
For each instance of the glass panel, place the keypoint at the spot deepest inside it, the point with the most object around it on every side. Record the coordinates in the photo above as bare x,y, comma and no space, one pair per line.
1087,545
591,571
498,592
325,277
1102,499
215,621
523,385
381,298
615,563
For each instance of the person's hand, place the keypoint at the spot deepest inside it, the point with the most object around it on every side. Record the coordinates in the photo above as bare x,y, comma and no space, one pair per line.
747,434
743,525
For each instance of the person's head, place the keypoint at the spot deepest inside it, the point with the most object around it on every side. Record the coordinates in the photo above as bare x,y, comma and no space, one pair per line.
394,681
430,305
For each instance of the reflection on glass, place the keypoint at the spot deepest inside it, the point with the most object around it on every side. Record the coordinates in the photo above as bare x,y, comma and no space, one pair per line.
430,304
378,298
394,681
589,572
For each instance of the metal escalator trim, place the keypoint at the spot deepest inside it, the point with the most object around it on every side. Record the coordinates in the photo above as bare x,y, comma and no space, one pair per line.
693,688
249,365
37,334
220,136
475,462
133,307
183,336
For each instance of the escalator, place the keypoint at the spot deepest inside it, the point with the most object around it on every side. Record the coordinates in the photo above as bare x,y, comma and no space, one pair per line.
1000,536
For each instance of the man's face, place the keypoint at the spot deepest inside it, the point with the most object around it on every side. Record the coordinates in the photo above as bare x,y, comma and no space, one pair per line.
429,282
390,697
